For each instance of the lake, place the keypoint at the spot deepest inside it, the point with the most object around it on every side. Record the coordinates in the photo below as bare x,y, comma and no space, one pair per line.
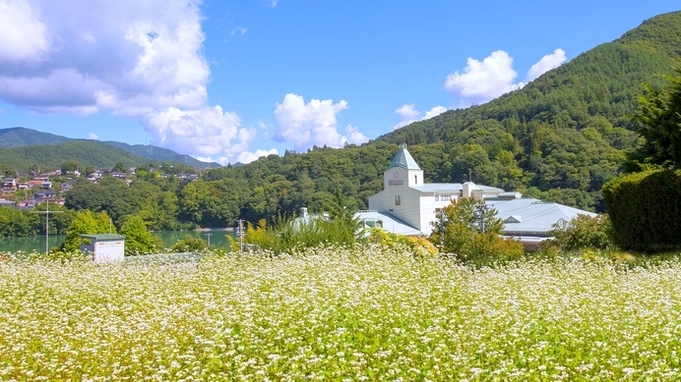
218,239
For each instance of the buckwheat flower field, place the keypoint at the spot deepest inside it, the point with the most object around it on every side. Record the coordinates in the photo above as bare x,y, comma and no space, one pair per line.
335,314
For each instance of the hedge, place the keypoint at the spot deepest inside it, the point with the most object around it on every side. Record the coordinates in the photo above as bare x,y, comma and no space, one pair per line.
645,209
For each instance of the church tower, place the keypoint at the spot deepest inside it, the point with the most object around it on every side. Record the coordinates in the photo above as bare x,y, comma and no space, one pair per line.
403,171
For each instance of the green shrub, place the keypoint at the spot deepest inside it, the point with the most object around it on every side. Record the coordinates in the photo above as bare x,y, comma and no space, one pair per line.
645,208
190,244
582,232
459,232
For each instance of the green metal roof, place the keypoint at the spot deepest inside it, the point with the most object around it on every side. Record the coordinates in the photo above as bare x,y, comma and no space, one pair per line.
404,160
104,237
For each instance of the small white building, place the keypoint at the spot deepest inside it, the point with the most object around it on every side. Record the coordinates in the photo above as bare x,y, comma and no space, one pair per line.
407,205
104,247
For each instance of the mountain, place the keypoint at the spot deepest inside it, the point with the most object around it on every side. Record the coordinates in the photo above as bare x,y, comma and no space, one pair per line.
19,136
566,133
87,153
559,138
160,154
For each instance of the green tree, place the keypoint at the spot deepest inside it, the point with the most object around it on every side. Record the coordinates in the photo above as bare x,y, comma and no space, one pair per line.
119,167
70,166
583,231
659,118
86,223
471,231
138,240
190,244
16,223
342,224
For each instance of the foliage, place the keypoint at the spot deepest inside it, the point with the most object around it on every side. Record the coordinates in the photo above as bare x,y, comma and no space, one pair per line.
365,313
17,223
645,208
138,240
472,232
659,117
583,232
339,227
86,222
190,244
419,246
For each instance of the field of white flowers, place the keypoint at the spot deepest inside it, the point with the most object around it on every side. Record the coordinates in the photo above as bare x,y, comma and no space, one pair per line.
334,314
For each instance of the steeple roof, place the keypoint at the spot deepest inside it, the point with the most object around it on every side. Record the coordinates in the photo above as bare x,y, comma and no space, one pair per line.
404,160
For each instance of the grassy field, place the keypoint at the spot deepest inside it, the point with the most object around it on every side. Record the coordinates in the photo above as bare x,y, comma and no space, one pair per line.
362,314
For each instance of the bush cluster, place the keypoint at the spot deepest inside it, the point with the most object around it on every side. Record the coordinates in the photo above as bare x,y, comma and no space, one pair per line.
644,208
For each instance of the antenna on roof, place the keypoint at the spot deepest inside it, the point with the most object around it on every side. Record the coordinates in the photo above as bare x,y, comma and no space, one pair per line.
470,176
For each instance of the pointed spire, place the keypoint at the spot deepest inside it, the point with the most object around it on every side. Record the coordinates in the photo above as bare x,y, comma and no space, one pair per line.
404,160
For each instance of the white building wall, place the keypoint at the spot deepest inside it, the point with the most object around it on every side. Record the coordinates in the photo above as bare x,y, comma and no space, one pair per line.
109,251
105,251
428,209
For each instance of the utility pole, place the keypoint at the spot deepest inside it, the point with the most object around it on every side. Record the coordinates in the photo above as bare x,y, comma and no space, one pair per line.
442,228
47,224
208,236
480,211
240,233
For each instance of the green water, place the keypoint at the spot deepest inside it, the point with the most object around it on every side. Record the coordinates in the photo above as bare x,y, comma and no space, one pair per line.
218,239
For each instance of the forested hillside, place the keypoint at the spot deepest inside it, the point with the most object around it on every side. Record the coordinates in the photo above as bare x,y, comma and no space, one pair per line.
88,152
559,138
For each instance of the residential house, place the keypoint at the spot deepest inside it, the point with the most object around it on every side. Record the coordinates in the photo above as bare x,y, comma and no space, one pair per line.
9,184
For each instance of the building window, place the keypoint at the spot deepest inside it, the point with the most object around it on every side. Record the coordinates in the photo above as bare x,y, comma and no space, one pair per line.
446,198
416,179
398,201
437,198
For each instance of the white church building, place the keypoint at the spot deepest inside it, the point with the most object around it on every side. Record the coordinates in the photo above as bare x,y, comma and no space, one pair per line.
407,205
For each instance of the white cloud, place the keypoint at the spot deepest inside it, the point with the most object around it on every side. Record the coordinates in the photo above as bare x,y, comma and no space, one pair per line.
240,31
437,110
207,131
141,59
93,136
483,81
354,136
310,124
248,157
408,114
23,35
273,3
137,57
548,62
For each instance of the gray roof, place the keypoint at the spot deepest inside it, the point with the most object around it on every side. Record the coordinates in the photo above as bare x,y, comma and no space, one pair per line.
104,237
454,187
532,217
389,223
404,160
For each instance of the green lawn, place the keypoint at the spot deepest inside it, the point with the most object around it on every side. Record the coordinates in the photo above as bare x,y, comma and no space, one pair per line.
363,314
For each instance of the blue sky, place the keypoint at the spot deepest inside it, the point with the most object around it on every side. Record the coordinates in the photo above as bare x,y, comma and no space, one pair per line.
231,80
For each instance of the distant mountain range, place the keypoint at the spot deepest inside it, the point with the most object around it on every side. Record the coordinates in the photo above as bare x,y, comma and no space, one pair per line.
21,147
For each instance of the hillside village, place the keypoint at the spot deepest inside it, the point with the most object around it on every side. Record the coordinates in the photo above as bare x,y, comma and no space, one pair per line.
32,188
